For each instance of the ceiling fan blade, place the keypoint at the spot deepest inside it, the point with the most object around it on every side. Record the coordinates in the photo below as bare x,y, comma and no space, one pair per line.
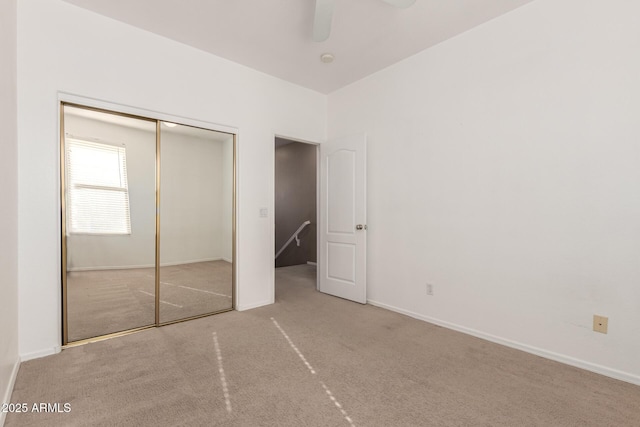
400,3
322,20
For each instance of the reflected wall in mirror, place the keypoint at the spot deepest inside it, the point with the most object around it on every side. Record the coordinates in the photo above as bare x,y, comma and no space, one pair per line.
196,221
109,202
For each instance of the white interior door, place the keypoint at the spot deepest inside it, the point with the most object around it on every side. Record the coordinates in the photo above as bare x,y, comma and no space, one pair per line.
343,218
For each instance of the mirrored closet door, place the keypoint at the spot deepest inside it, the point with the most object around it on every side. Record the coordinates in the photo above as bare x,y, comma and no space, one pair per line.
196,219
131,259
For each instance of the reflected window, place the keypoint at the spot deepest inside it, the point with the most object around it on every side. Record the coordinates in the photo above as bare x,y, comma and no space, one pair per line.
98,194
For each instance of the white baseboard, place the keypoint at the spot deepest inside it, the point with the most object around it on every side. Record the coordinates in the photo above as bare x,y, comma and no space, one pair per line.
191,261
312,263
7,393
40,353
111,267
568,360
227,260
131,267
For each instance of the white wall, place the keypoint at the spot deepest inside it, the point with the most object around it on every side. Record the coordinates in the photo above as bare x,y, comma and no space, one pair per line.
504,169
191,199
65,48
8,206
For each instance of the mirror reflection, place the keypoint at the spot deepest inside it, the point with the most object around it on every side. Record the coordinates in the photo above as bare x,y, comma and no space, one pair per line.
122,269
110,222
196,221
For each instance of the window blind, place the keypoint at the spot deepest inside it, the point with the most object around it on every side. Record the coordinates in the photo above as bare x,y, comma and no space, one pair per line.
98,194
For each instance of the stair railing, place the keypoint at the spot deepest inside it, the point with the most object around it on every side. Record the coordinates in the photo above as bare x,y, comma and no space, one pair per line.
294,236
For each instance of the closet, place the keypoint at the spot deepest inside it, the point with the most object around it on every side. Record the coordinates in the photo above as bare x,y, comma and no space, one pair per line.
147,222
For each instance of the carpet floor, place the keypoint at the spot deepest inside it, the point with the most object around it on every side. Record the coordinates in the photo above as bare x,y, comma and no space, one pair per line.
102,302
313,360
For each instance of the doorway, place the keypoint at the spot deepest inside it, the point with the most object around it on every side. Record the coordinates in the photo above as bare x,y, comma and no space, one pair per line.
296,205
341,212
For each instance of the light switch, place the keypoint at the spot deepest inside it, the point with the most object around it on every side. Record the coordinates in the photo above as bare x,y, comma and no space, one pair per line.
264,212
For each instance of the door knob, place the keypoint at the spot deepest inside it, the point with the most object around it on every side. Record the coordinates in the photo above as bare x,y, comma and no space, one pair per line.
361,227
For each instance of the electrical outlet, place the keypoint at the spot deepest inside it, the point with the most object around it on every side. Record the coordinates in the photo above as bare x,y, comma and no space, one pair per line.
600,324
429,289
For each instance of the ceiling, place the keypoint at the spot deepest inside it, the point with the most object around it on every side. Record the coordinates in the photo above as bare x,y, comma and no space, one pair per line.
275,36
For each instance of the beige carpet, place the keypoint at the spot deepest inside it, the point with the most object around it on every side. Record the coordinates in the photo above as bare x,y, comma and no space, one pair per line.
105,301
340,364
